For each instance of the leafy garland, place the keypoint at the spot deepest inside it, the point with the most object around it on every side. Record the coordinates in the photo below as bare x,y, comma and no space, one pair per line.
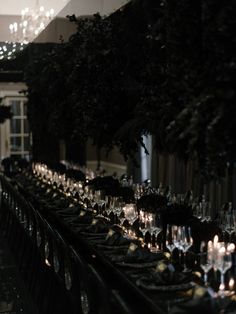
163,67
5,112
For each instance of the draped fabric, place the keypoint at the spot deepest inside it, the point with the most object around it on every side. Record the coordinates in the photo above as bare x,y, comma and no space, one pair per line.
183,176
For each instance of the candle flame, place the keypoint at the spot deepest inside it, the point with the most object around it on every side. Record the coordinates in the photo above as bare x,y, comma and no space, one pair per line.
209,244
222,250
231,284
216,239
231,247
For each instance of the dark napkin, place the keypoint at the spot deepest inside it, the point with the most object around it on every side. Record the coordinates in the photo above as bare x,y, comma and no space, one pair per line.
115,238
165,274
84,216
201,302
136,254
68,211
97,226
59,202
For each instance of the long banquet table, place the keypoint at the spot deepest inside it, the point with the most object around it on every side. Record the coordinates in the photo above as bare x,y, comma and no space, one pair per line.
109,261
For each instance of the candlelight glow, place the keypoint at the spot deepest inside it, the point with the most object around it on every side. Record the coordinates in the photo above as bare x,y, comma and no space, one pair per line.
216,239
231,284
221,287
231,247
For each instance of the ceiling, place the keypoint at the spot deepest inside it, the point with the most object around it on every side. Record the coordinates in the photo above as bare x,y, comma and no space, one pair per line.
10,10
14,7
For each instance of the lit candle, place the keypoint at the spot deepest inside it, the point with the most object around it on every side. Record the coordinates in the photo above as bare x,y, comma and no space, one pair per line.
222,287
231,247
209,245
231,284
215,241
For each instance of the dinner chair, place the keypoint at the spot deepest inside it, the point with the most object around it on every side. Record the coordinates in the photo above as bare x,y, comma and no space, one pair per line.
119,304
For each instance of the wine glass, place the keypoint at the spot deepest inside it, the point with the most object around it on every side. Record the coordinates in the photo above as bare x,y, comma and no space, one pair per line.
118,205
206,210
206,260
122,217
153,224
131,213
143,222
185,242
170,239
230,223
223,263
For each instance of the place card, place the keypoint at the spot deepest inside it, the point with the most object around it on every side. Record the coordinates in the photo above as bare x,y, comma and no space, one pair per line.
161,267
94,222
110,234
132,248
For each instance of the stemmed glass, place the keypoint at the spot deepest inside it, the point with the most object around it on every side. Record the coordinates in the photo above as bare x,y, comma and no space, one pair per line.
223,263
118,205
153,224
206,260
138,191
206,211
131,213
230,221
99,199
185,242
170,238
110,205
122,217
143,222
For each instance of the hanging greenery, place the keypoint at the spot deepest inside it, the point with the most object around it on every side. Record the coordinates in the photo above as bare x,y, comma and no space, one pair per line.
5,112
165,68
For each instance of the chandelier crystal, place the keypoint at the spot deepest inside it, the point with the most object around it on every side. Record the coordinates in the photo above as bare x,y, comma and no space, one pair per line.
33,21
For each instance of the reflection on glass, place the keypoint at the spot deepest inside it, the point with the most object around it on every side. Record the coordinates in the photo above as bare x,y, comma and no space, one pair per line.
26,126
15,126
25,109
26,143
15,144
15,107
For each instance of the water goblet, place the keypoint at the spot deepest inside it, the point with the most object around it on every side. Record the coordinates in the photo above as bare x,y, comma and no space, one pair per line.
170,239
206,260
223,263
186,241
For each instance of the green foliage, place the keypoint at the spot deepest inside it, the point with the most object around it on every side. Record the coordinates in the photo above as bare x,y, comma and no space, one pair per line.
5,112
165,68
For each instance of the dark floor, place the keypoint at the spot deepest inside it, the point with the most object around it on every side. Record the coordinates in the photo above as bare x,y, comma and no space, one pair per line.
13,296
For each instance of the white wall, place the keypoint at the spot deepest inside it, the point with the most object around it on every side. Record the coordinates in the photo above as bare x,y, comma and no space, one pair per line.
5,21
9,10
88,7
62,27
7,89
14,7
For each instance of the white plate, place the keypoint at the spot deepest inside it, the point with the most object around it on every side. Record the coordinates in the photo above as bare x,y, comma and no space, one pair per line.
167,288
138,265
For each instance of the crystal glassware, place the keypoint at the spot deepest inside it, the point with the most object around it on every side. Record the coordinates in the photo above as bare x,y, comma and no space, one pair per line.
170,238
223,263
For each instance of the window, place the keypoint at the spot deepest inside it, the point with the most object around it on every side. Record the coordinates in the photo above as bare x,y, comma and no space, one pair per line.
19,129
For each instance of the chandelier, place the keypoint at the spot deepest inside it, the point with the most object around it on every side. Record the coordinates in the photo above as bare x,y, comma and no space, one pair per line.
33,21
8,50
